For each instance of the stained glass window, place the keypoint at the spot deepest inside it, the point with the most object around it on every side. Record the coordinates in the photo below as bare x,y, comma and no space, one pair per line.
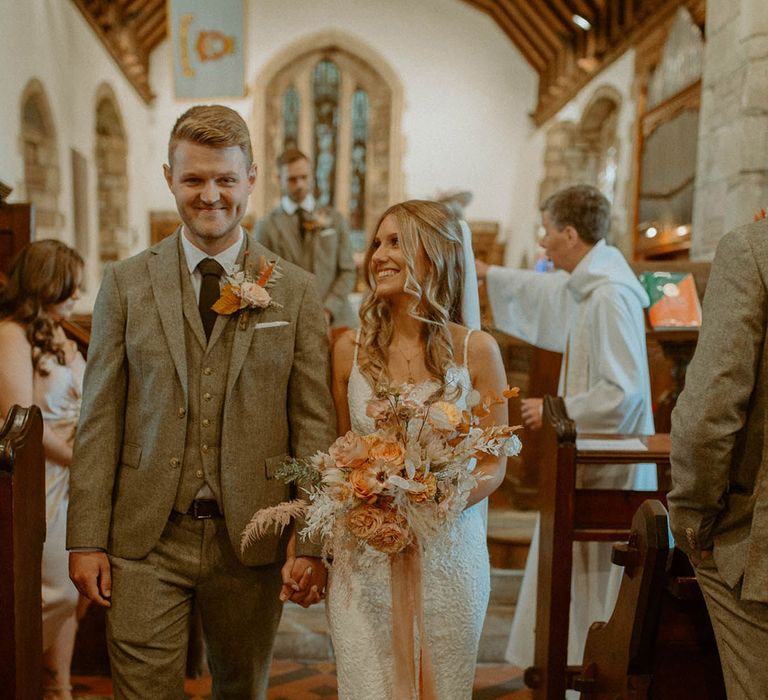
326,95
291,109
359,145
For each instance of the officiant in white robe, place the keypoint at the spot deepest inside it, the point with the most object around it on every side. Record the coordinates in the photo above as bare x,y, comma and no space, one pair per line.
591,310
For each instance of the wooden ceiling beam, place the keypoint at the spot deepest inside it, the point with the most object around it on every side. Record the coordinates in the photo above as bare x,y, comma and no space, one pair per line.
531,52
530,17
157,20
546,42
647,23
153,39
585,9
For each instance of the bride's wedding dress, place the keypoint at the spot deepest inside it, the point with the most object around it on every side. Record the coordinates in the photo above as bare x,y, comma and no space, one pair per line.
455,582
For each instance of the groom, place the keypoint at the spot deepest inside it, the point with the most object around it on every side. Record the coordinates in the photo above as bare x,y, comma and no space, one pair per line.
186,416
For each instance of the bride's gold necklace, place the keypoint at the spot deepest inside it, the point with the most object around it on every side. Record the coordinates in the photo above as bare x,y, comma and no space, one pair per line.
408,361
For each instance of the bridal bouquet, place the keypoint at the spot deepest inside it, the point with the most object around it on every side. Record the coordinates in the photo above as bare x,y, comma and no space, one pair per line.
403,482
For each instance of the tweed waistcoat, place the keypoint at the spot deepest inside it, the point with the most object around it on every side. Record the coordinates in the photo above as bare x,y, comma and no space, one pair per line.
207,368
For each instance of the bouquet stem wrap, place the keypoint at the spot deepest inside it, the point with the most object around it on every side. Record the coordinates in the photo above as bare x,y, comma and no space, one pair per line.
407,608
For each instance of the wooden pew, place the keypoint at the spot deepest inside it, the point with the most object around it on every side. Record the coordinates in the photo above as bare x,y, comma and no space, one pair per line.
618,655
571,515
22,532
658,643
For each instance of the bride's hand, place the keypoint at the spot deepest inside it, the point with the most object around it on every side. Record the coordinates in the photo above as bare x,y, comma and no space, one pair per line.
304,578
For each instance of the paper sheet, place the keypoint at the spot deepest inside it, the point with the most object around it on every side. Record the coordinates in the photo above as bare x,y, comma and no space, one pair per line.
621,445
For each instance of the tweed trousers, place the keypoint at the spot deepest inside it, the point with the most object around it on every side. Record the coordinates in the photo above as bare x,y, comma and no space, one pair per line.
741,630
148,623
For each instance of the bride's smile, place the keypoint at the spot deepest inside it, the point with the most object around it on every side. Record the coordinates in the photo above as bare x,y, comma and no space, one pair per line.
388,266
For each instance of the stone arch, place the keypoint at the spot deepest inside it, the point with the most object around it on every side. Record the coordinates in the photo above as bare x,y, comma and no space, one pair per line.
361,66
42,175
586,152
111,177
598,139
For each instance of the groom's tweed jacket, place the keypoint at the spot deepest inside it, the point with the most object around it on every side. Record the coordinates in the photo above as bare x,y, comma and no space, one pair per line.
140,440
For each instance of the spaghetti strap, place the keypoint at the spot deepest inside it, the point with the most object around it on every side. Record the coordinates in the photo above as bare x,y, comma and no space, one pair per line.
466,347
357,345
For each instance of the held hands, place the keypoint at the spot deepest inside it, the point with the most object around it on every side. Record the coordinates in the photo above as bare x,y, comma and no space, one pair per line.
304,578
92,576
531,411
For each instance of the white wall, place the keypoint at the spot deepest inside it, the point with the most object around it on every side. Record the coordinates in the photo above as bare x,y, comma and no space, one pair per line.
467,92
619,76
467,95
51,41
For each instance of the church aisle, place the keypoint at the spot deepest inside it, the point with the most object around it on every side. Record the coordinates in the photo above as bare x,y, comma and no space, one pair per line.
291,680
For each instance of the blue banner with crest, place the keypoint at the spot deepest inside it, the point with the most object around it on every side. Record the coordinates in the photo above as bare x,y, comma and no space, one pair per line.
208,47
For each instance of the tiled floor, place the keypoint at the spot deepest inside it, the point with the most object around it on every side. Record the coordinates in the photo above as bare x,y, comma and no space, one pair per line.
291,680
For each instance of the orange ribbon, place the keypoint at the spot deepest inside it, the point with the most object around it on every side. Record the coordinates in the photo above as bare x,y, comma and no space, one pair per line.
407,608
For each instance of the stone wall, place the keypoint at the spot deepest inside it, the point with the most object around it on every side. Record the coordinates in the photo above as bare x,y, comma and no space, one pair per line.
732,177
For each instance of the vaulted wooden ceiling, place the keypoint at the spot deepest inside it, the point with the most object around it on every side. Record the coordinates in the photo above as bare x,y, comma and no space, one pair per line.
130,29
567,42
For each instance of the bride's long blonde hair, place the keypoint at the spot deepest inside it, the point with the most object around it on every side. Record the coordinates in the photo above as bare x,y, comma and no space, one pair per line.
433,229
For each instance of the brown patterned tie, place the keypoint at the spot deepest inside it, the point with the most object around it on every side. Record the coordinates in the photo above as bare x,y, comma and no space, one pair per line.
209,292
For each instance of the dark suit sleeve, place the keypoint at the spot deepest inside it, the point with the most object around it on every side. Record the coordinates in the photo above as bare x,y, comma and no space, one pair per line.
100,429
311,414
336,299
712,409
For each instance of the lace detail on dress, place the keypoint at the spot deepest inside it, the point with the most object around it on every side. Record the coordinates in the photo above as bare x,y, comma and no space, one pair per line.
456,586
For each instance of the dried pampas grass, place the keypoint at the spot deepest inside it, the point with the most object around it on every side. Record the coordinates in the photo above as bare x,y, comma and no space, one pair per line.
275,516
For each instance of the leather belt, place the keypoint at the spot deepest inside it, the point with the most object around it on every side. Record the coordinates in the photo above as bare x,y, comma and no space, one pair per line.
201,509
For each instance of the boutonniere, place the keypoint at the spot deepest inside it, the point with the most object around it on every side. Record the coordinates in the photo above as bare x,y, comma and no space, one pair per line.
761,214
317,220
246,290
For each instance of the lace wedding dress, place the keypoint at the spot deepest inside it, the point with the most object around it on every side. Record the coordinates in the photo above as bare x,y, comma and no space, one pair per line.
455,582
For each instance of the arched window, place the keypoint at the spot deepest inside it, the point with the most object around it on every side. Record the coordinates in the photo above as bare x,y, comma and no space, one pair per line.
337,101
326,98
291,111
42,178
359,153
112,178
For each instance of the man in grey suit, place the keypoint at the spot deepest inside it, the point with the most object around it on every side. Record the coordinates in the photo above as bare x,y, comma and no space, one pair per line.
719,500
315,238
186,416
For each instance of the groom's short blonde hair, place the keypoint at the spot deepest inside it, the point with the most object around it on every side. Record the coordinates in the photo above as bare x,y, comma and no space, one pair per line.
212,125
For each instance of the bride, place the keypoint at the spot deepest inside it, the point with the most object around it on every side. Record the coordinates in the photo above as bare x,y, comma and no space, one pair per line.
411,332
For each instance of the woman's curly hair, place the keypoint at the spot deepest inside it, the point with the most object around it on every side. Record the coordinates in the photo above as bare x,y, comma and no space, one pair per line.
429,229
43,274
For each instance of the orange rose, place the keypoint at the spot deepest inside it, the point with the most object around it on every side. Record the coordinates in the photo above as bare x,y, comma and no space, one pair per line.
429,492
387,451
349,450
390,538
365,485
364,520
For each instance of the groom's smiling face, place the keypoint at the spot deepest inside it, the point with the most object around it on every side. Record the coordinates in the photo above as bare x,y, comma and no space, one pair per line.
211,187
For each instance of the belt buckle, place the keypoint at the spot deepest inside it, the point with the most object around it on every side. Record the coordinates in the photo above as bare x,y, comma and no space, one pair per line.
199,516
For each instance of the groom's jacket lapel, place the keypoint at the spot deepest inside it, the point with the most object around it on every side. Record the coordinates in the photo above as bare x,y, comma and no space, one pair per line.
244,336
166,286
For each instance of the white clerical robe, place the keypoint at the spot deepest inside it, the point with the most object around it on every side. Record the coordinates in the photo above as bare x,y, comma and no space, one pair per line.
594,316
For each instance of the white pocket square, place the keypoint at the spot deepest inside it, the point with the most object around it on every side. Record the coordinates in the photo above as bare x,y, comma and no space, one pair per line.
327,232
271,324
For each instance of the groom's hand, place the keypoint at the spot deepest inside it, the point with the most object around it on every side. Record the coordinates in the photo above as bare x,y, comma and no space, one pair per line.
304,580
92,576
